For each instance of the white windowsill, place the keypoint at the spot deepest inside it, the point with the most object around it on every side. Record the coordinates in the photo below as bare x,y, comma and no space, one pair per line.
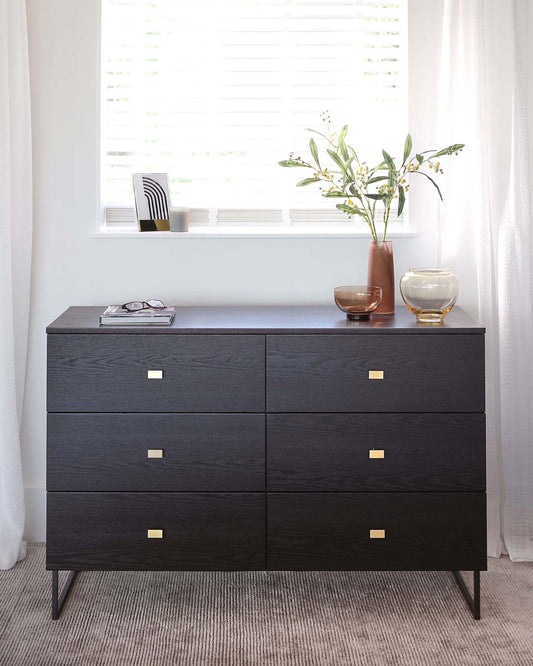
230,232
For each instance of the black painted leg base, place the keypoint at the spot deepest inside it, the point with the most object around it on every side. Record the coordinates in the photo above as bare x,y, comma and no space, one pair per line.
473,601
59,599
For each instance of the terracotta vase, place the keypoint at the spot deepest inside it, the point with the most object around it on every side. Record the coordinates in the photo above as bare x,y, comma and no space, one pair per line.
381,273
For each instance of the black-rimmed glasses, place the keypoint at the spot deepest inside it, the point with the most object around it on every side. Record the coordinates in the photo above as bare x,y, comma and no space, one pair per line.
135,306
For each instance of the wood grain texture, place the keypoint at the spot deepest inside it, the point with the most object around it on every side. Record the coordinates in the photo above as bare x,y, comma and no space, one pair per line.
427,452
201,452
331,531
90,373
314,373
201,531
289,320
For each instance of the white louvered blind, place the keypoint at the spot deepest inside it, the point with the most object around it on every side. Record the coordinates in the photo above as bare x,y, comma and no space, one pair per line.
216,92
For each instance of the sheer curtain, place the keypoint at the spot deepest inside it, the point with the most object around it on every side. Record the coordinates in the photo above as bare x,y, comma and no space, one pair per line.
15,261
485,236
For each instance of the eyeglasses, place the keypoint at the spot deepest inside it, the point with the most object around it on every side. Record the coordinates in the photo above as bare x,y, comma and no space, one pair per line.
135,306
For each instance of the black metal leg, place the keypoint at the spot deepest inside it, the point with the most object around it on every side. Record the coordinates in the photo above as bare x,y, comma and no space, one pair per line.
59,599
474,602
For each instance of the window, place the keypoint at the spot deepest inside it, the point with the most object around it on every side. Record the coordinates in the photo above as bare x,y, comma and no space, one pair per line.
216,92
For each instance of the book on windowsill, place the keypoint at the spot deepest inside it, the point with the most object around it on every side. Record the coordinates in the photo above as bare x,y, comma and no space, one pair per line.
114,315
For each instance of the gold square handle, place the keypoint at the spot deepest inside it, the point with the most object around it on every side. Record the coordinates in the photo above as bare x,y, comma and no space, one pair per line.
375,374
155,534
377,534
376,453
155,374
155,453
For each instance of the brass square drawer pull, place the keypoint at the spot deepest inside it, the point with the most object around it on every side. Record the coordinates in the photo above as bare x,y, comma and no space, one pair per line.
155,374
376,453
375,374
155,453
155,534
377,534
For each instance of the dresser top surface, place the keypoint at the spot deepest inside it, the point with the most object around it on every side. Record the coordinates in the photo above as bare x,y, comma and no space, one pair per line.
313,319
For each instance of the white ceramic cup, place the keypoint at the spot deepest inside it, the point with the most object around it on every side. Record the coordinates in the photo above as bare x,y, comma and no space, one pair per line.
179,218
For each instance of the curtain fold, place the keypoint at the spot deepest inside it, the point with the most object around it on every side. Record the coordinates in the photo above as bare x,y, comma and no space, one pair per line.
15,267
485,237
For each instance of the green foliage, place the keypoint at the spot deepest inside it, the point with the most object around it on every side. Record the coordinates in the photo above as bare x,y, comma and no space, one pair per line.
355,181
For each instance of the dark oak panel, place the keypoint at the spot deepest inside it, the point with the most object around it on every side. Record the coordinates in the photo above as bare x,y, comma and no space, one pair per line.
331,531
215,373
202,531
313,373
201,452
331,452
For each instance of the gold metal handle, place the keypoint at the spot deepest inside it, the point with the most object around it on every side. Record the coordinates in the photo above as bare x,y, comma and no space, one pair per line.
155,534
377,534
155,374
155,453
375,374
376,453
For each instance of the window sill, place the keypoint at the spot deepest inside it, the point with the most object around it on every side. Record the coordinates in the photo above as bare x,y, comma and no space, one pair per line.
232,232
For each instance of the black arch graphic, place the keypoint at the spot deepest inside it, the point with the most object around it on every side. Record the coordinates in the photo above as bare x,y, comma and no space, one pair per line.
157,199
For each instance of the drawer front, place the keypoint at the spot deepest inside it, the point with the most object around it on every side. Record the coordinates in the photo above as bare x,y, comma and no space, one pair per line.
171,452
156,373
377,531
199,531
375,373
387,452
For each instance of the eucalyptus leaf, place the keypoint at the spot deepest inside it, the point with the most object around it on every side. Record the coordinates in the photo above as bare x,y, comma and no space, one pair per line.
344,150
401,199
307,181
337,160
314,152
421,173
336,193
388,159
377,197
343,133
377,179
407,147
289,163
419,158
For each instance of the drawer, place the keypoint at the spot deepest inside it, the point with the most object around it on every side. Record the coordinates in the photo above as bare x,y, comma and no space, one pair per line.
332,373
167,452
200,531
386,452
199,373
332,531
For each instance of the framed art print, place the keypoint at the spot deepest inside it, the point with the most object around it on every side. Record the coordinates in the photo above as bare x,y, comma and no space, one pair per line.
152,201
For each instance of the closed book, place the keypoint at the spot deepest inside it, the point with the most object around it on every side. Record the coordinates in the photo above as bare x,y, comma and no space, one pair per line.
114,315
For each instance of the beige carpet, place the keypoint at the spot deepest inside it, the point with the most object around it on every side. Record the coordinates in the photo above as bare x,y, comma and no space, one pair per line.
304,619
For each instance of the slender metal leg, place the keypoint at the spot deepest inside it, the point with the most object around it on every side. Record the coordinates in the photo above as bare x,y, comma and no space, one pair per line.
59,599
474,602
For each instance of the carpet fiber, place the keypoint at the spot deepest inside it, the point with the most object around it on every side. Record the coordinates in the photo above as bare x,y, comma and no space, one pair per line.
280,618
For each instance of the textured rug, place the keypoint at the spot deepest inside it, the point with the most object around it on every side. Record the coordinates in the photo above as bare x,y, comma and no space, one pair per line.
280,618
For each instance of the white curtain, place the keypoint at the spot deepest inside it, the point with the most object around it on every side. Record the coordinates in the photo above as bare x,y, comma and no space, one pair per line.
485,236
15,264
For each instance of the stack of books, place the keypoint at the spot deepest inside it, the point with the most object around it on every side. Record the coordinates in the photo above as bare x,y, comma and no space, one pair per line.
114,315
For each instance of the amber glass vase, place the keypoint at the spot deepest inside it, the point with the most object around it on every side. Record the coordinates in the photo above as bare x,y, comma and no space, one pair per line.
381,273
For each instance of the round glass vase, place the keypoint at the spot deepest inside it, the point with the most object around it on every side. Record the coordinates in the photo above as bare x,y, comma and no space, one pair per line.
430,293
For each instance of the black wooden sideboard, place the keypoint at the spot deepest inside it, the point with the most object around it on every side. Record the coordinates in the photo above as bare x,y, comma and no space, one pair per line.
266,438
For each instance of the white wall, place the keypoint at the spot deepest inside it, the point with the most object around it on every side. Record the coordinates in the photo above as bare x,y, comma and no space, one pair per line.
73,268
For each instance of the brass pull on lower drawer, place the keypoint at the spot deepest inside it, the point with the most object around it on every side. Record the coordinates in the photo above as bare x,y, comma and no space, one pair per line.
155,453
155,374
376,453
377,534
155,534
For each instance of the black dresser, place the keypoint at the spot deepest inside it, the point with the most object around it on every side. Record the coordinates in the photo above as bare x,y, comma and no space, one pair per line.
278,438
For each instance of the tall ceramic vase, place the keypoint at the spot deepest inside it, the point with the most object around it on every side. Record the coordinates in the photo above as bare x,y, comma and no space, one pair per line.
381,273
